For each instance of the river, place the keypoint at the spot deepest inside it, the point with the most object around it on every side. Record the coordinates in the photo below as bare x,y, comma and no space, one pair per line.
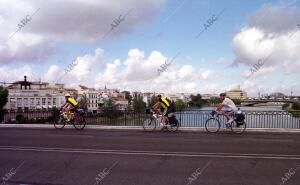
263,108
256,117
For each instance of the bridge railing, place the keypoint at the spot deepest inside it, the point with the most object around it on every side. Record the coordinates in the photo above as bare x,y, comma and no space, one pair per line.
273,119
188,118
254,119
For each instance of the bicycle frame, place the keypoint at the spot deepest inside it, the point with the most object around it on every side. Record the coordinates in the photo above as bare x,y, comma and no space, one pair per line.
217,115
156,116
234,128
77,119
222,113
75,115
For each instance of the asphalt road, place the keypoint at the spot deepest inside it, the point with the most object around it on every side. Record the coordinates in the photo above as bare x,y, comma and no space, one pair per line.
92,157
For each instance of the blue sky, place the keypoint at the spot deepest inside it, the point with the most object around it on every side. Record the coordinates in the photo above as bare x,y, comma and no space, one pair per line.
154,31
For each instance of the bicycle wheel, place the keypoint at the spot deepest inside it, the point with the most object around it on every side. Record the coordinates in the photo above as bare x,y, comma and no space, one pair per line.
238,128
149,124
59,122
212,125
173,127
79,122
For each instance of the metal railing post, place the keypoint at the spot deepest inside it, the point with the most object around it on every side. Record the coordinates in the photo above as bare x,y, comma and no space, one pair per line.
125,112
180,118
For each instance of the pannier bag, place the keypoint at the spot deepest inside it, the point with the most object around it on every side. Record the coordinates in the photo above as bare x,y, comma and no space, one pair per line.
239,117
173,120
148,111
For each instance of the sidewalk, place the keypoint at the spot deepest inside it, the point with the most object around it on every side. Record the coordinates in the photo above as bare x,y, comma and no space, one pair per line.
104,127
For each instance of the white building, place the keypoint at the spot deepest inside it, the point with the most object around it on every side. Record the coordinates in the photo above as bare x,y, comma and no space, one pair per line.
118,97
209,96
121,103
185,97
109,92
146,97
236,93
24,95
93,97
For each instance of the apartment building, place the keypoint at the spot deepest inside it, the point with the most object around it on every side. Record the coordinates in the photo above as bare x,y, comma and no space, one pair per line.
92,96
236,93
24,95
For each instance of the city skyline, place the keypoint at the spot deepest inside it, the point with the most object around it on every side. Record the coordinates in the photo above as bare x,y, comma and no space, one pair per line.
205,46
237,91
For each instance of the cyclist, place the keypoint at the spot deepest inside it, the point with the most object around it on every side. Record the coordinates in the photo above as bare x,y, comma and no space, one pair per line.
171,115
69,107
229,108
163,106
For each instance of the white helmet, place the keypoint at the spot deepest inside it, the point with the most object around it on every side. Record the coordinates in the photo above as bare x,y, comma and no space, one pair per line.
67,95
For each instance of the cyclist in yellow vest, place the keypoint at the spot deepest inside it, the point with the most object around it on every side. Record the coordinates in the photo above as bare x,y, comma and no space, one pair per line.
163,107
69,107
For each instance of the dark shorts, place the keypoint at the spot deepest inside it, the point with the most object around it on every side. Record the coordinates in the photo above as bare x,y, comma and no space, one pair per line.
167,111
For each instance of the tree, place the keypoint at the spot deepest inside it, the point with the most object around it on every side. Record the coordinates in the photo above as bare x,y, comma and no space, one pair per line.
285,106
109,103
138,103
3,100
3,96
151,101
197,101
110,109
296,106
82,101
180,105
237,101
214,101
128,96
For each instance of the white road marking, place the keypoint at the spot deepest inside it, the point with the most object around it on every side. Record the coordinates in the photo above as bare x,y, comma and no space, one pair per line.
152,153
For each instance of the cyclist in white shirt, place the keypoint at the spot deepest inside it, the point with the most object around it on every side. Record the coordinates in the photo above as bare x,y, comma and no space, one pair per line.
229,107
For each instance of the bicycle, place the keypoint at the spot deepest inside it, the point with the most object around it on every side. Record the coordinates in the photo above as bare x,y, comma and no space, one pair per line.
78,120
238,125
150,124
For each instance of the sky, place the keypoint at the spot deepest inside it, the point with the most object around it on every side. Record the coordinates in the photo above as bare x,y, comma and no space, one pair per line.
170,46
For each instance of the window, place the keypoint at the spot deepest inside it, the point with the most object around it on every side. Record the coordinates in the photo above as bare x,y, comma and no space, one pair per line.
12,103
19,102
38,101
31,102
43,101
25,102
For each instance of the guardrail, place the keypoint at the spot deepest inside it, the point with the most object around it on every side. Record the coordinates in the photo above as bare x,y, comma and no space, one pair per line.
254,119
188,118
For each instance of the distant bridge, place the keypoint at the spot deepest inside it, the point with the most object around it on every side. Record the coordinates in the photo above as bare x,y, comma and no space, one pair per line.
267,101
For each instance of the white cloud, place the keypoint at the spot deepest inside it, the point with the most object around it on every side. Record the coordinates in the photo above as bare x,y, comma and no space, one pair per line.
81,73
186,72
139,72
278,19
185,78
9,74
53,72
271,31
270,35
206,73
65,20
